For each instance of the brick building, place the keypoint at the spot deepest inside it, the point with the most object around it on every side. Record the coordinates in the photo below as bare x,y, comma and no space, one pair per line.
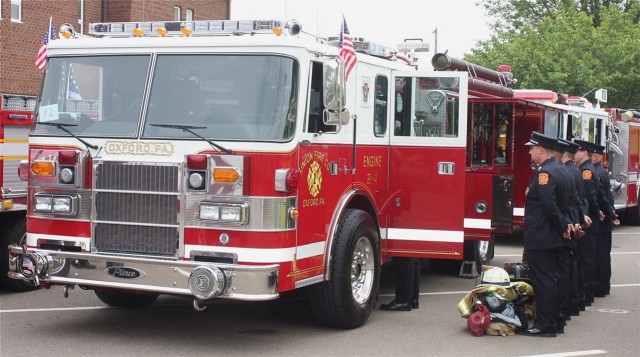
23,24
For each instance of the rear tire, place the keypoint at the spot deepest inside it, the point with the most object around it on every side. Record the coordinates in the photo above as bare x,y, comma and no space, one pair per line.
12,231
479,251
633,215
119,298
483,252
347,300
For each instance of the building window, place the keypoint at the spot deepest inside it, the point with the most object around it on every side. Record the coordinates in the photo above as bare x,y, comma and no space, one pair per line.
16,10
188,15
176,13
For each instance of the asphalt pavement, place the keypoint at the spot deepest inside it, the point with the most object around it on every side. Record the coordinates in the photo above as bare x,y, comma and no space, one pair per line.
43,322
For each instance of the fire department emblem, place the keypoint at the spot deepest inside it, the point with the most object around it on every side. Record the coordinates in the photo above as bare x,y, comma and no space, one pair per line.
314,179
365,92
543,178
586,175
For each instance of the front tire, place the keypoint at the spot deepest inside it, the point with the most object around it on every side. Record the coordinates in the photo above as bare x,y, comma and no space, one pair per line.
119,298
347,300
12,232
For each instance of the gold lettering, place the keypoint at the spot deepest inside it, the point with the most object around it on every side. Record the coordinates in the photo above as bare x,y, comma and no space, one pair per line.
372,161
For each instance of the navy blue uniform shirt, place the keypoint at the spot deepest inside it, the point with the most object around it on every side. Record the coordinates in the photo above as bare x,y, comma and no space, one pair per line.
545,213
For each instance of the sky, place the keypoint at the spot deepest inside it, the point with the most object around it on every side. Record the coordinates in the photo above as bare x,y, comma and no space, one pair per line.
459,23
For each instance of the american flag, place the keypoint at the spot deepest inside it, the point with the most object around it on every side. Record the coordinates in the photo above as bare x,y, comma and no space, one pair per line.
73,92
347,52
41,58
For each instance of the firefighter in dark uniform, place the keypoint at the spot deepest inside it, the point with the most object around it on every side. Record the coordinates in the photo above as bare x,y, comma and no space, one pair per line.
587,244
563,252
407,285
545,228
578,210
608,218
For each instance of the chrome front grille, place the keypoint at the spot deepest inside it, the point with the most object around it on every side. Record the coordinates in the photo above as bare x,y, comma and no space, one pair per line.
136,208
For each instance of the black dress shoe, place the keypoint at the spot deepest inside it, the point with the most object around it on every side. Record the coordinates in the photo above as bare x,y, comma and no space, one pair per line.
415,304
560,329
396,306
538,333
575,312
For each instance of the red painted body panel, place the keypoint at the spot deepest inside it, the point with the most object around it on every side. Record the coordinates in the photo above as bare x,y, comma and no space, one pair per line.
59,227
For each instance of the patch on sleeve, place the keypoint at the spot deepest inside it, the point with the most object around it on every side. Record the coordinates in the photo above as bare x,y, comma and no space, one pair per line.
586,174
543,178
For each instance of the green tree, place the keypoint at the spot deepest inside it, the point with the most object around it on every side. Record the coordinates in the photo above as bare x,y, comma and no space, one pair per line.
512,15
566,53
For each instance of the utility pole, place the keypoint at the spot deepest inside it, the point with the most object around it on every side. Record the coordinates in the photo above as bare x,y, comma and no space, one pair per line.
435,47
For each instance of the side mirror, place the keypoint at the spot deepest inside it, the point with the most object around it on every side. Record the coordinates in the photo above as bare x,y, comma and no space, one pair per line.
333,80
330,117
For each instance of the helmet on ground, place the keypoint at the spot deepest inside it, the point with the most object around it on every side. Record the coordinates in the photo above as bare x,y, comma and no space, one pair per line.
494,276
479,320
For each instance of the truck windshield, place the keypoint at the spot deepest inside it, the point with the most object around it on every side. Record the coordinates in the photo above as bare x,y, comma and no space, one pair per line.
231,96
96,96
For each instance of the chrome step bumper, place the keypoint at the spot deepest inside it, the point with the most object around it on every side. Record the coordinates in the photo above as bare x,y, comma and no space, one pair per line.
201,280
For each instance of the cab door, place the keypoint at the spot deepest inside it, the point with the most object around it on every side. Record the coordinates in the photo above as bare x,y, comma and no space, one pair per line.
427,165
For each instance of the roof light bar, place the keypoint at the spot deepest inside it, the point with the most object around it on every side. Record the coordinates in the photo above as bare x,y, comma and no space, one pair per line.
362,46
175,28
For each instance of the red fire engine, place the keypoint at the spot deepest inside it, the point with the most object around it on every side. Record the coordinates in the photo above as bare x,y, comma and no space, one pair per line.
15,118
231,159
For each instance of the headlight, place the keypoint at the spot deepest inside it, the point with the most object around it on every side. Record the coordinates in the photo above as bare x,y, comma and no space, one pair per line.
62,204
57,204
210,212
43,204
224,212
231,214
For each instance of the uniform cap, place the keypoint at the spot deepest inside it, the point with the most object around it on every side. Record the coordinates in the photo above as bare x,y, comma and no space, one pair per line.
560,145
571,146
585,145
538,139
599,149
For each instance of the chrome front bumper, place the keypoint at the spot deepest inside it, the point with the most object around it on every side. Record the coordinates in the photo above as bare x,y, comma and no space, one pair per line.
201,280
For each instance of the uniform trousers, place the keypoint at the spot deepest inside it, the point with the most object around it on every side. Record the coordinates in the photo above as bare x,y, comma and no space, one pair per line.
588,261
544,279
603,266
576,299
563,266
407,279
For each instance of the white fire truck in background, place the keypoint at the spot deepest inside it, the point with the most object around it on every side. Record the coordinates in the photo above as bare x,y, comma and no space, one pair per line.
231,159
15,120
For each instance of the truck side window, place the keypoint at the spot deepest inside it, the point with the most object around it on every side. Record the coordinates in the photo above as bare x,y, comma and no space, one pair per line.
426,107
315,124
380,106
489,136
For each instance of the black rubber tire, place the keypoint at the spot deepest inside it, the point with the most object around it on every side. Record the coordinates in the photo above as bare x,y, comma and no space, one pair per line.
126,299
332,302
483,252
633,214
12,231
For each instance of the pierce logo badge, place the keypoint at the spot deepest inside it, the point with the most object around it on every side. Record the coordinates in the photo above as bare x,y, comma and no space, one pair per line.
124,272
